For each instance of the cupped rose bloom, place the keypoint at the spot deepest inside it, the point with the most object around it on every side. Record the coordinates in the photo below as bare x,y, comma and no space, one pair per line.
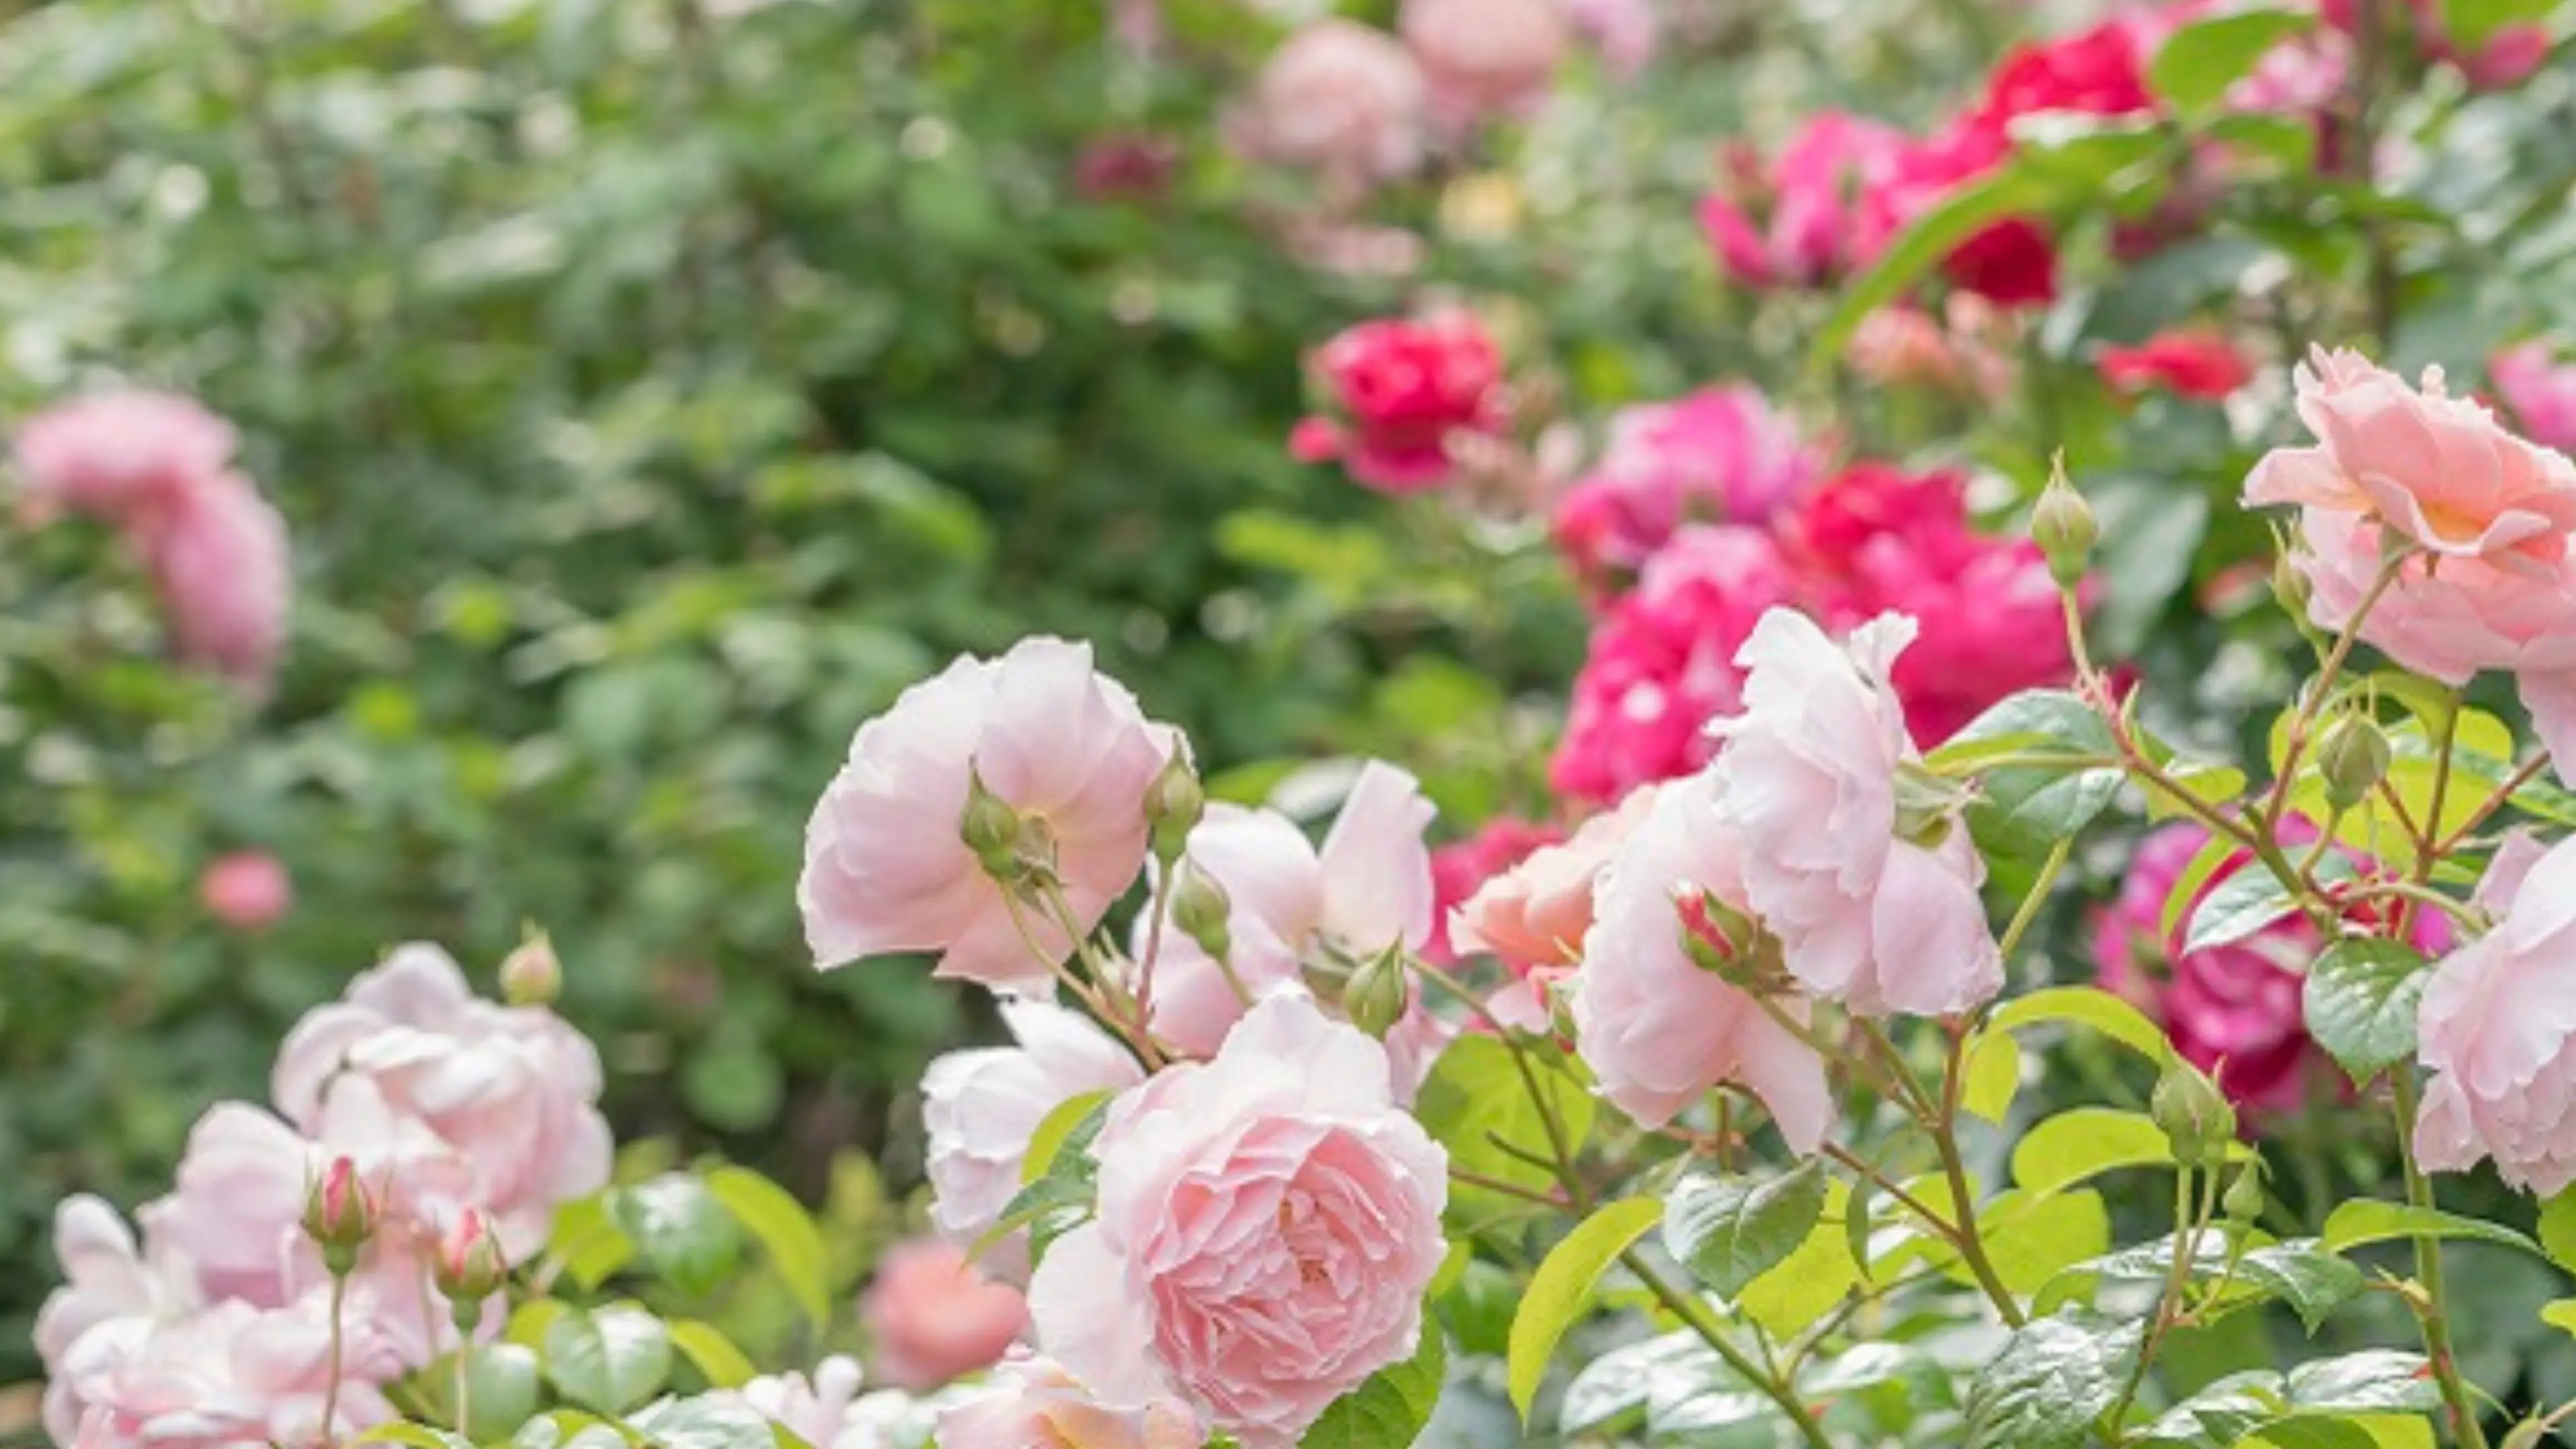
1721,454
2439,470
2498,1030
1800,222
1268,1221
981,1106
1484,57
934,1316
1658,1028
1807,777
217,555
1402,386
2187,362
120,455
1661,663
511,1093
2540,391
247,890
886,868
1341,98
111,1293
1462,867
231,1376
1031,1403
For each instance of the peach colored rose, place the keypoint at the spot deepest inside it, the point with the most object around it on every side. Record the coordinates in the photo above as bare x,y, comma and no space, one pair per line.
1537,912
1031,1403
934,1316
2498,1029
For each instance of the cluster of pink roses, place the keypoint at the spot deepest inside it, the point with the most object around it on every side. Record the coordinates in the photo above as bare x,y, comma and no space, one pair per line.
160,469
440,1128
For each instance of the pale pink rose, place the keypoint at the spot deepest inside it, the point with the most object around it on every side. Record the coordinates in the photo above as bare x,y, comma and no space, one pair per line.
1484,57
217,554
1267,1223
885,867
1538,912
1367,889
1462,867
247,890
1338,97
1658,1029
934,1316
110,1292
1031,1403
231,1376
2540,390
2498,1030
119,455
982,1105
503,1099
1807,778
2438,469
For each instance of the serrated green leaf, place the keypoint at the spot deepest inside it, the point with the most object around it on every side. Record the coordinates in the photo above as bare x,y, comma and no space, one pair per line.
1391,1406
2367,1220
1992,1075
1562,1289
2052,1379
1811,1281
1072,1124
2086,1006
609,1359
1730,1230
2360,1000
2079,1145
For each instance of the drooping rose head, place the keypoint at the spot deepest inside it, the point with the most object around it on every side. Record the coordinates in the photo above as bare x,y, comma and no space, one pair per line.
1811,226
2188,362
1721,454
2438,470
2497,1030
933,1315
217,554
886,867
1403,386
1484,57
1032,1403
120,455
2540,391
1657,1027
1267,1224
1340,97
247,890
1878,913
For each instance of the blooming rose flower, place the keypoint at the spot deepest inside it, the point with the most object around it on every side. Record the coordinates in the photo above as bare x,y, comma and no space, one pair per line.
1875,920
111,1291
1461,868
1484,57
1341,98
1657,1028
981,1106
1718,455
1405,385
230,1376
1815,228
886,868
2539,390
1268,1221
1031,1403
120,455
2191,363
217,554
2438,469
934,1316
235,1212
1662,662
247,890
1537,912
2497,1025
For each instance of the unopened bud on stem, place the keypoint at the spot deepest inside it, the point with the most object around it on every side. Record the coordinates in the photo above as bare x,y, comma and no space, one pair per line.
2352,759
2061,523
1378,993
2196,1117
1201,911
469,1267
531,975
1174,803
990,828
340,1214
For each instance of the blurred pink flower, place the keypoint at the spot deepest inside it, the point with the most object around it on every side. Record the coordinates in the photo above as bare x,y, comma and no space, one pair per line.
2506,58
2203,364
1484,57
1341,98
933,1316
1401,386
1801,221
1031,1403
218,559
1717,455
1625,32
121,455
247,890
2539,390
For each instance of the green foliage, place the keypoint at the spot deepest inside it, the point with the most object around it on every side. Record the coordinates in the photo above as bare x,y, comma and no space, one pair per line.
1562,1288
1731,1230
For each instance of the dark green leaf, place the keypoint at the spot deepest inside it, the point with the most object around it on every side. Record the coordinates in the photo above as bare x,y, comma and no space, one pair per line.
1730,1230
2360,1001
2053,1377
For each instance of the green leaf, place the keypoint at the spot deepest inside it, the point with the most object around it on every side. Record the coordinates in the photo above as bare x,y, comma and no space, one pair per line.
1992,1075
2026,809
1562,1289
1476,1094
1731,1230
418,1435
2248,901
1392,1406
2303,1274
2360,1000
2031,1238
2087,1006
785,1231
2052,1379
2471,23
2558,1229
684,1234
2197,65
712,1354
2079,1145
609,1359
1812,1280
504,1381
2560,1314
1925,242
1073,1123
1048,1208
593,1248
2372,1381
2368,1220
2187,887
711,1421
2150,532
2312,1430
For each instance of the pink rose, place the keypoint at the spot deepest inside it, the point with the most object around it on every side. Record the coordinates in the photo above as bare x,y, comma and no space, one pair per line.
1807,776
2204,365
2440,470
110,1293
2539,390
1403,386
235,1212
934,1316
1717,455
1268,1222
1813,228
246,890
1662,662
1366,890
1031,1403
231,1376
1341,98
982,1105
120,455
1484,57
1904,346
1461,868
217,554
886,868
2497,1025
1658,1028
1538,912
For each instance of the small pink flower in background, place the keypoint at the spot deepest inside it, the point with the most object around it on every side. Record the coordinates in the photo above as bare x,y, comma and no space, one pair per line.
1662,662
1807,779
1625,32
247,890
1341,98
120,455
1484,57
885,866
1460,869
1268,1221
217,555
1402,386
2188,362
2498,1030
1717,455
1801,222
1031,1403
1127,167
933,1315
1904,346
1657,1028
981,1106
2540,391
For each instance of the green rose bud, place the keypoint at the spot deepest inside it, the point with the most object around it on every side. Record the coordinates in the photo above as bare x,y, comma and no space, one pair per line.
2194,1114
1378,992
2352,759
2061,523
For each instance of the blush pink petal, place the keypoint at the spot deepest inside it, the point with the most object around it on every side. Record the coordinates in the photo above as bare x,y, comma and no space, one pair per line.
2497,1031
